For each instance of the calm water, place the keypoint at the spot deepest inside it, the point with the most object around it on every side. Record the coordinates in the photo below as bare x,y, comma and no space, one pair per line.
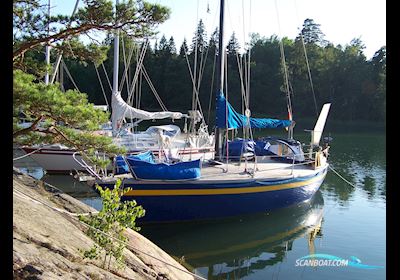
345,221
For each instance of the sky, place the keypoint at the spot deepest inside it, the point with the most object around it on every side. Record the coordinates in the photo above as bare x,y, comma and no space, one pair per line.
340,20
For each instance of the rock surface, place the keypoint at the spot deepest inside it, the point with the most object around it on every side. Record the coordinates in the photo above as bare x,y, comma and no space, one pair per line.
48,240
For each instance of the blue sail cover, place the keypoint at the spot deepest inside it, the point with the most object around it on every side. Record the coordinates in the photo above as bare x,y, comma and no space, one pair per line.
120,166
239,146
142,169
236,120
145,156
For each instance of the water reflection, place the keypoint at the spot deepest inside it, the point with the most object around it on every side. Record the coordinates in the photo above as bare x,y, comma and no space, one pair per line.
79,190
226,249
361,159
70,185
27,164
266,246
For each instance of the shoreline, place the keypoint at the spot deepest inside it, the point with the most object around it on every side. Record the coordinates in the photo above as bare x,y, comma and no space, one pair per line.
48,239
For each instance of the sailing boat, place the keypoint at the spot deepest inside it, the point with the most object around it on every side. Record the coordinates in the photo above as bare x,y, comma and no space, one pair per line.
165,141
193,190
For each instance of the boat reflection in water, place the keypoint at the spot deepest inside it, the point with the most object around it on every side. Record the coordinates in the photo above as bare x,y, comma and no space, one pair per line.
236,247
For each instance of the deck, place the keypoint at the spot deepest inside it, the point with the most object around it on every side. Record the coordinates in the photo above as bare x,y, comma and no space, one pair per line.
242,171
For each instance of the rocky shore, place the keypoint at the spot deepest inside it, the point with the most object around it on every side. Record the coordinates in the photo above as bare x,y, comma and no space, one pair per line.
48,240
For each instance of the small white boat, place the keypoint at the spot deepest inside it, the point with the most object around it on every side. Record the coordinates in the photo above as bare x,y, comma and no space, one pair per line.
163,141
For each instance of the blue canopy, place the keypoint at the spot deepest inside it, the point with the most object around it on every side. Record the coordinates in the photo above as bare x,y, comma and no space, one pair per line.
122,168
236,120
144,167
145,156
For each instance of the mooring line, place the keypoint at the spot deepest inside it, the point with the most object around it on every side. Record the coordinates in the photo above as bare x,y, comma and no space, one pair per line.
341,177
23,156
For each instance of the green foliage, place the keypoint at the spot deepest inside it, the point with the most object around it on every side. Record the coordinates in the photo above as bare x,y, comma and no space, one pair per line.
340,75
199,42
312,33
113,219
57,117
33,28
85,54
356,87
33,63
48,102
233,46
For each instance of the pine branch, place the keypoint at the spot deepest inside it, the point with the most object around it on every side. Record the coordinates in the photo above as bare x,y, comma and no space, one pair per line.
28,129
64,34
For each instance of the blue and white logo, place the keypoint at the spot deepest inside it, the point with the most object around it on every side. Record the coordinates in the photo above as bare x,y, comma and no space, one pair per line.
330,260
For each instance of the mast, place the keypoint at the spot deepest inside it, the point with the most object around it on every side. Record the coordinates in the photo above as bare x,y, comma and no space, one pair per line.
46,77
220,74
116,57
115,71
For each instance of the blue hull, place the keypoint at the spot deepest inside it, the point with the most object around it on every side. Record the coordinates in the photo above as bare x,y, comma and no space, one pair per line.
188,201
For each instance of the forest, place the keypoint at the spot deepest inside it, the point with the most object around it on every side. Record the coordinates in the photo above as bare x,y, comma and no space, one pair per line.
341,75
308,69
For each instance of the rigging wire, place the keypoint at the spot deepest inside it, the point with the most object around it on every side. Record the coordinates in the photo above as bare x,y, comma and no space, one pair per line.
243,63
125,76
194,103
137,71
202,68
197,76
193,83
101,85
226,110
211,88
309,72
131,90
286,76
105,73
248,77
69,75
60,55
139,91
147,77
308,65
